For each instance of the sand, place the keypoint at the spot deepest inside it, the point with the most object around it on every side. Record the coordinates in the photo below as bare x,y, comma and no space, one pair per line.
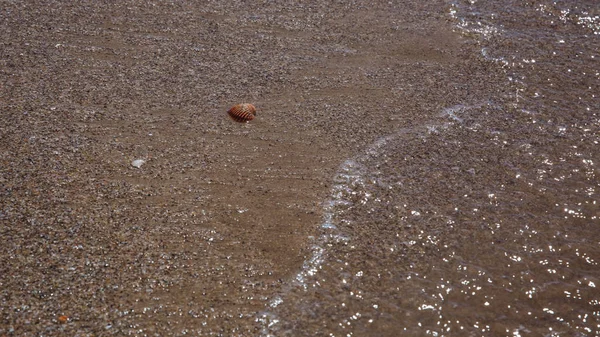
216,220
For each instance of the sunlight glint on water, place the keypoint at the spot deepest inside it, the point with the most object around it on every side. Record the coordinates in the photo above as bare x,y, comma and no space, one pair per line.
484,222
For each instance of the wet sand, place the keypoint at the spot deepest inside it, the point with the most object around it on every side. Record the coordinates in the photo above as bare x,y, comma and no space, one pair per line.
201,237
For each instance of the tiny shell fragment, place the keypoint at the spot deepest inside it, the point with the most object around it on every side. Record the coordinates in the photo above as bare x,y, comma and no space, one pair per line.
63,319
138,163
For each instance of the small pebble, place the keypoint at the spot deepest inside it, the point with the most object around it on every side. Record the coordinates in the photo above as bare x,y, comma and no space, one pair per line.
138,163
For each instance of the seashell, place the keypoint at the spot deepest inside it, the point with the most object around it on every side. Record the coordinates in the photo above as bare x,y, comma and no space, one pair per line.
242,112
138,163
63,319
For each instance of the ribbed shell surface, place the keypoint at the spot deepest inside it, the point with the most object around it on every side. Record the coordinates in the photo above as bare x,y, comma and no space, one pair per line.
242,112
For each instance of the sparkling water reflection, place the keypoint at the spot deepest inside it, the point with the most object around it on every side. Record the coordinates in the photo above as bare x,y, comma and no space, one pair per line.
484,222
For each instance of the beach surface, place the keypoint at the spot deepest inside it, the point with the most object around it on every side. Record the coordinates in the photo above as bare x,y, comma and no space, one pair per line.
215,219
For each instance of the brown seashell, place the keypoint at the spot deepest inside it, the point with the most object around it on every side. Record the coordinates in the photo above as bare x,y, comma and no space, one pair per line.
63,319
242,112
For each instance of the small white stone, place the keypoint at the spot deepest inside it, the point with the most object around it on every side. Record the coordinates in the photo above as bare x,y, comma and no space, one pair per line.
138,163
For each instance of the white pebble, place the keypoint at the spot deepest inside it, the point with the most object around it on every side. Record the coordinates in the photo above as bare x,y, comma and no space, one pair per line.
138,163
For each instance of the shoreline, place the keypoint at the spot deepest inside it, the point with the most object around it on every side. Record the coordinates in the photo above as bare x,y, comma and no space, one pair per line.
203,234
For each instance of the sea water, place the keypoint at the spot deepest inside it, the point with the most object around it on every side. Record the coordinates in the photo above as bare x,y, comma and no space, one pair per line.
482,222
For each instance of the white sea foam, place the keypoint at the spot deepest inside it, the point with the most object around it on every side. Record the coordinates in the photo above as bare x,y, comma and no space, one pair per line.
349,181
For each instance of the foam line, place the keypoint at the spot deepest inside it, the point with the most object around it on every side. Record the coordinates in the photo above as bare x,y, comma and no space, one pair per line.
350,174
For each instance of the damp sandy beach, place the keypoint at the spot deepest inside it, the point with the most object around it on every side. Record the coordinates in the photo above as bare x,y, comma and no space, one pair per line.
131,204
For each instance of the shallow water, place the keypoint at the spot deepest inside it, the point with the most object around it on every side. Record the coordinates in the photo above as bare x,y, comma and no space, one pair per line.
398,179
483,221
